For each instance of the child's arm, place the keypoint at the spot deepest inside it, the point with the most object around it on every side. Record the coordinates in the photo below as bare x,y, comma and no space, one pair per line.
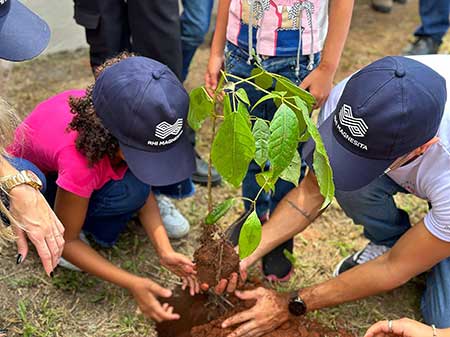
177,263
72,209
216,56
320,81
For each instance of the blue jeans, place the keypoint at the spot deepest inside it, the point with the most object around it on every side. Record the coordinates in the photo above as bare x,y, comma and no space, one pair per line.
236,64
195,21
373,206
434,15
114,205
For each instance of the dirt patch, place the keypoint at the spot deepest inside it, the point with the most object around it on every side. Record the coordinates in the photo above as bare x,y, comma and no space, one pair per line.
201,317
292,328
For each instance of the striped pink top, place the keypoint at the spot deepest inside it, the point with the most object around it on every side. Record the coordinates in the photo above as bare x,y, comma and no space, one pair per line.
276,26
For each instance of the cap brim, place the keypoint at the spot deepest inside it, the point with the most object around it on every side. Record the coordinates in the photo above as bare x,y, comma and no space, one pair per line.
24,35
350,172
162,168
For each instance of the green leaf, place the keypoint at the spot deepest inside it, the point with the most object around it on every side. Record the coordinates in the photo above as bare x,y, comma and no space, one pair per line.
283,140
233,148
265,180
261,132
292,172
219,211
250,236
284,84
272,95
242,109
264,79
321,163
242,95
200,107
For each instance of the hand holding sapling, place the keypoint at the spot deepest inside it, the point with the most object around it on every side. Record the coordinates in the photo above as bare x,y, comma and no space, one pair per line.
183,267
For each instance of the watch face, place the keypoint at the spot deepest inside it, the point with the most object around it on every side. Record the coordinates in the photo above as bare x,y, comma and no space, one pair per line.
297,307
34,177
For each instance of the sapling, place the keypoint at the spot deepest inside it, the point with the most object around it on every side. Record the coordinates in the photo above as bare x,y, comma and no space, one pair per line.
237,139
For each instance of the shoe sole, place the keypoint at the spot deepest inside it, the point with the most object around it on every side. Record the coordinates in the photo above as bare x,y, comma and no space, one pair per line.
339,265
204,181
382,9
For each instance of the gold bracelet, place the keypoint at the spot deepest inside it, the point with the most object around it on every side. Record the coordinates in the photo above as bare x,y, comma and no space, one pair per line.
434,330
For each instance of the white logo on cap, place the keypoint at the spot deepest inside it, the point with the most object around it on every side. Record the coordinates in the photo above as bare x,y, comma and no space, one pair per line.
2,2
165,129
357,126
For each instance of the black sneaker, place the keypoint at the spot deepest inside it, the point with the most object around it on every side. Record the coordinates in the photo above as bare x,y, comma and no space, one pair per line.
371,252
423,45
200,176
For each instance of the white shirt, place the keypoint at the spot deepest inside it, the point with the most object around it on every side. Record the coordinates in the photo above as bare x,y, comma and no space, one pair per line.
428,176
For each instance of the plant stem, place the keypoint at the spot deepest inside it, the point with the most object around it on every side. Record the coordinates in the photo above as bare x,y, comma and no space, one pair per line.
259,193
214,122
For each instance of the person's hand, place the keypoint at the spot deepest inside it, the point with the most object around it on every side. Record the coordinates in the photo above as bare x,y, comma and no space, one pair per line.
145,292
215,65
319,83
269,312
38,221
183,267
404,327
233,282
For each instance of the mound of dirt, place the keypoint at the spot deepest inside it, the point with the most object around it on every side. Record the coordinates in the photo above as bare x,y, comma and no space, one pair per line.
215,260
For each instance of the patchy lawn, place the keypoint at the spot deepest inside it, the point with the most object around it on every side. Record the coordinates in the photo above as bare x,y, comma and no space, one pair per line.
76,304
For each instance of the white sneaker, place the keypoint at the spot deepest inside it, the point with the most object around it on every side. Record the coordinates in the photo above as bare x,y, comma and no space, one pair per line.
370,252
66,264
174,222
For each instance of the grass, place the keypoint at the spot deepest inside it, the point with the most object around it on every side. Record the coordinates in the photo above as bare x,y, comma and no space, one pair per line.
76,304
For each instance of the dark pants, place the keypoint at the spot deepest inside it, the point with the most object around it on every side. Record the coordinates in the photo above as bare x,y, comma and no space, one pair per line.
434,15
150,28
112,206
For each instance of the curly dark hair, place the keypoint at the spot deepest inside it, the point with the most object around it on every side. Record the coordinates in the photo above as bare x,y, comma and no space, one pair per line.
94,141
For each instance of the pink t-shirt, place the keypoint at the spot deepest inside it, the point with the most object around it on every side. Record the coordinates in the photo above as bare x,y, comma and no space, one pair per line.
43,139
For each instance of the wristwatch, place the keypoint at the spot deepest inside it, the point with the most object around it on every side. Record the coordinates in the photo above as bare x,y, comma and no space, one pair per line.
23,177
297,306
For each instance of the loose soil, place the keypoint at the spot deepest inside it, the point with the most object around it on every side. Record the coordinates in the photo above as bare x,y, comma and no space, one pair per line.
215,260
202,317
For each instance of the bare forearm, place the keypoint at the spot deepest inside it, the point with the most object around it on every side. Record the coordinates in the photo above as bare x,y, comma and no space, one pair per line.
219,39
151,220
6,168
87,259
293,214
338,28
359,282
404,261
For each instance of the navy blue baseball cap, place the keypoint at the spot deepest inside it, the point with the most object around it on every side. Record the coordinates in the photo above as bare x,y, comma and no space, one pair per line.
386,110
23,34
143,104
